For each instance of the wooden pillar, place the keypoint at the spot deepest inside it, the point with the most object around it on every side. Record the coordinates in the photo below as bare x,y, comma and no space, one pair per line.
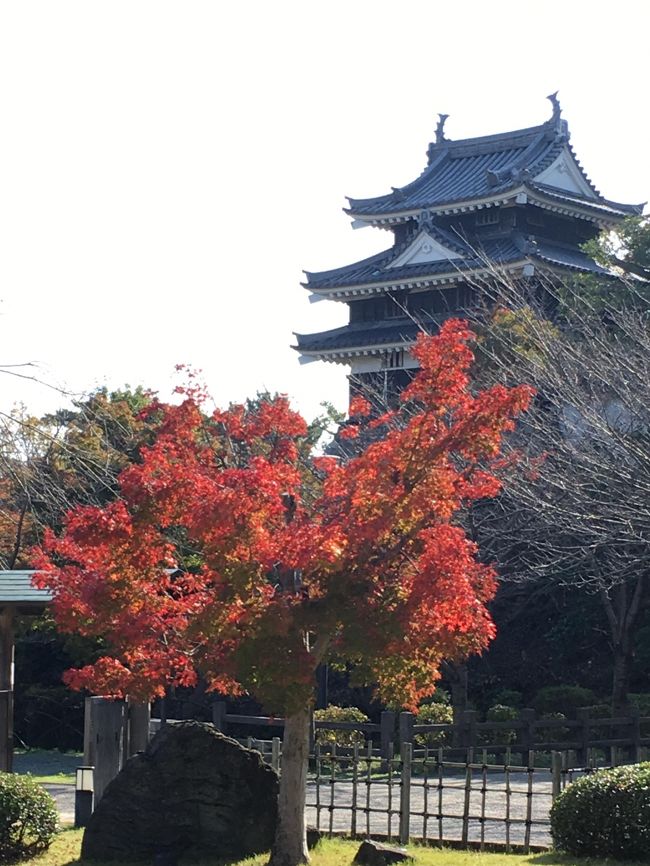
139,718
406,722
105,728
219,716
7,689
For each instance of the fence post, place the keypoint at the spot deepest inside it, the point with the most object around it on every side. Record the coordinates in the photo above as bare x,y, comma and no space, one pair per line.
275,754
635,734
139,713
6,730
470,719
386,732
312,732
405,791
219,716
406,722
582,715
556,774
527,717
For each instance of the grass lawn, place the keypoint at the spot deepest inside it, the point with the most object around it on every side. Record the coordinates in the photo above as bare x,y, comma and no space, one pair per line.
48,765
338,852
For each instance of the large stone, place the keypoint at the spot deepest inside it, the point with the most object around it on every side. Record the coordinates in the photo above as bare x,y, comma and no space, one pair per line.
376,854
193,791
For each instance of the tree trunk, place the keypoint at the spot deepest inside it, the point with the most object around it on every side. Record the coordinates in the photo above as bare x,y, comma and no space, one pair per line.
621,678
456,674
622,604
290,845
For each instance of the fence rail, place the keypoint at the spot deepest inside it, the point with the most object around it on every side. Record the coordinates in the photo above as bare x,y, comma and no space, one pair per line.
587,740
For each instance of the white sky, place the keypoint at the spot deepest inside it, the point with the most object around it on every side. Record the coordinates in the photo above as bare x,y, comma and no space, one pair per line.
168,168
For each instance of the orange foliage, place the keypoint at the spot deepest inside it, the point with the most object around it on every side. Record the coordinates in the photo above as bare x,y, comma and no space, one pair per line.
280,559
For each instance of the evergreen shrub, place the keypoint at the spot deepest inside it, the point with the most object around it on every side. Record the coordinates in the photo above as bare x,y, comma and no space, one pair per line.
502,713
509,698
562,699
332,713
605,814
552,735
435,713
641,702
28,818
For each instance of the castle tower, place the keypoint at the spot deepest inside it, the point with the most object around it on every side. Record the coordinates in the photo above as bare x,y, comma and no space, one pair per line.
516,202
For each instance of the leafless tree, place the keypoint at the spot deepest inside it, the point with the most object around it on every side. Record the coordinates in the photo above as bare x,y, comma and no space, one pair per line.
576,502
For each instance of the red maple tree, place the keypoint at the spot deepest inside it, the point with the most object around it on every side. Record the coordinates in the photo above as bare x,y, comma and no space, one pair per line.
233,554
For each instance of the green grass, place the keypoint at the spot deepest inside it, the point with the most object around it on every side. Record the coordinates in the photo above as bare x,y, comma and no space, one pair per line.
48,766
338,852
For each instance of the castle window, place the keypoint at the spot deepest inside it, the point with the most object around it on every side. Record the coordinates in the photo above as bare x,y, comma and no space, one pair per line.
395,306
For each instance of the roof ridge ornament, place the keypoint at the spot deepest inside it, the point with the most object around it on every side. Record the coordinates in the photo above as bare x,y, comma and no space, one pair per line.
556,117
440,137
440,129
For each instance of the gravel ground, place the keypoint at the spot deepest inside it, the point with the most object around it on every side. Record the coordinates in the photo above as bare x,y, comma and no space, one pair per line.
374,799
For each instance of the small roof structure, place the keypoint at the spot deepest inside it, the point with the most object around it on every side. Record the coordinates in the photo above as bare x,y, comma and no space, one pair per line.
17,596
18,592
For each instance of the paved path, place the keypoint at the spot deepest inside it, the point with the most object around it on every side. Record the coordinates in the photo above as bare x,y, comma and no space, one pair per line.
64,796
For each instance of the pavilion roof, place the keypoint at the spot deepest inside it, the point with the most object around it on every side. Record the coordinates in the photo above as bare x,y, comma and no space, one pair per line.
16,589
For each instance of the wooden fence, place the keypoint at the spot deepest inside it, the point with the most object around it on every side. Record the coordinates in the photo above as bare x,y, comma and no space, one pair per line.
586,741
392,785
420,794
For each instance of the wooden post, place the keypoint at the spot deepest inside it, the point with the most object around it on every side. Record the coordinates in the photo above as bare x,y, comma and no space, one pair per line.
527,717
138,734
582,715
6,730
7,685
275,754
635,734
105,726
387,732
312,732
219,716
467,798
470,719
405,791
556,774
406,722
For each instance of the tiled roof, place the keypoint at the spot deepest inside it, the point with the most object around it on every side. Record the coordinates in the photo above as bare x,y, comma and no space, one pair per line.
504,250
565,257
483,168
362,334
376,268
16,588
601,205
